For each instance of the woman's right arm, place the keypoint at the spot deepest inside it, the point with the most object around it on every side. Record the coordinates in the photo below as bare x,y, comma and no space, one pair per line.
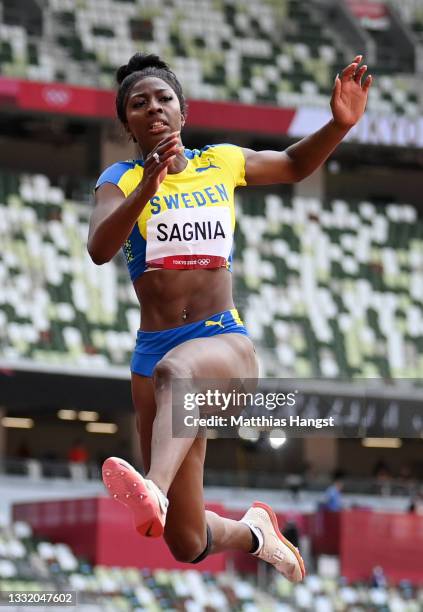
112,220
114,215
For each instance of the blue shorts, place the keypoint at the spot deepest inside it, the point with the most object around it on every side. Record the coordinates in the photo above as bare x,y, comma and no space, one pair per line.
152,346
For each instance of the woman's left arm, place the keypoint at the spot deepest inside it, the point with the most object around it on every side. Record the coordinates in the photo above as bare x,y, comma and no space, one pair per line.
348,102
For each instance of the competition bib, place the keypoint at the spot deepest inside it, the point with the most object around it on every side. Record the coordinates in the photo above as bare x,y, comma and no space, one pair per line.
189,238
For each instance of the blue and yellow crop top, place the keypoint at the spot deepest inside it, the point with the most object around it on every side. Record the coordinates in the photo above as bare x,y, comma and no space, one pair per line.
189,223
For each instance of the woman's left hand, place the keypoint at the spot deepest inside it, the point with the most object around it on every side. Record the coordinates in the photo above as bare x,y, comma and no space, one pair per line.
349,96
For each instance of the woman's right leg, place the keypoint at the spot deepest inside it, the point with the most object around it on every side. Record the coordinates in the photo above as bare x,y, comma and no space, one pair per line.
191,532
177,464
186,520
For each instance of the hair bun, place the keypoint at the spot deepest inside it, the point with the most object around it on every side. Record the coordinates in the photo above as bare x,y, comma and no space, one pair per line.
139,61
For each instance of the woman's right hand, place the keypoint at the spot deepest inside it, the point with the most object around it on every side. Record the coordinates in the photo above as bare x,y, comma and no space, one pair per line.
115,214
155,170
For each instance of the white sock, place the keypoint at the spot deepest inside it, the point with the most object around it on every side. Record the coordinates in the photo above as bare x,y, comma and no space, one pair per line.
161,497
257,532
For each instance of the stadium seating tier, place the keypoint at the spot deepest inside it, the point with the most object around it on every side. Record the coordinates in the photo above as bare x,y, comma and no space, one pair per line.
29,563
331,289
283,53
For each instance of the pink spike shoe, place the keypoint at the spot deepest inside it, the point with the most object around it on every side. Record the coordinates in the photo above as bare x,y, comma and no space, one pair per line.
144,498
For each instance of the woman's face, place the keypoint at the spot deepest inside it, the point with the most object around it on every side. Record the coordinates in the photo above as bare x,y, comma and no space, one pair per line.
152,112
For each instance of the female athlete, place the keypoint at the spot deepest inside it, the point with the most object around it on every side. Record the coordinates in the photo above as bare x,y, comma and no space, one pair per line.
172,212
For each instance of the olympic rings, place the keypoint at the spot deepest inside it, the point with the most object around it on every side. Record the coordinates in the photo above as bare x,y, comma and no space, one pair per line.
203,262
156,158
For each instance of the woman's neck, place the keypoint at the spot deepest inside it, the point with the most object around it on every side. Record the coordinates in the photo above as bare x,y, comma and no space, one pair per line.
178,164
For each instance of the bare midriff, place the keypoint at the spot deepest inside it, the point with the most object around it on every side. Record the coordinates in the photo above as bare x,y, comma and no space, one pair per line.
171,298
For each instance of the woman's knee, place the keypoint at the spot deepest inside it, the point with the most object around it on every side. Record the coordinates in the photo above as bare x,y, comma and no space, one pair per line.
169,369
187,545
248,357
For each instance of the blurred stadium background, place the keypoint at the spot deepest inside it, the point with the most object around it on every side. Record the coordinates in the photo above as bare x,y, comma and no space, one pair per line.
328,277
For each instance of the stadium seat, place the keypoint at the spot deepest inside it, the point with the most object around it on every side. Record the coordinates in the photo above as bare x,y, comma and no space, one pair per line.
46,566
339,287
276,52
411,12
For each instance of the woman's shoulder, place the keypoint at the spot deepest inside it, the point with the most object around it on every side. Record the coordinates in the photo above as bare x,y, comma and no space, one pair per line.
224,151
217,148
117,170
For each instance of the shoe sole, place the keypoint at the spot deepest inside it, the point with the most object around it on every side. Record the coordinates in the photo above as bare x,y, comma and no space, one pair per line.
127,486
282,538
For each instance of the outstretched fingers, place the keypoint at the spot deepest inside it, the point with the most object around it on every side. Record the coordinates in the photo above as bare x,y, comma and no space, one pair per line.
367,83
337,87
360,72
349,72
352,71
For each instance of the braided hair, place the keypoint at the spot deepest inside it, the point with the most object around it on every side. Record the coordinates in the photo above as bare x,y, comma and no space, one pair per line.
138,67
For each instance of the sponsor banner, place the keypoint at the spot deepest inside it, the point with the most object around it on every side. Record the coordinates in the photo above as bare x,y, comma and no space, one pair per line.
60,98
240,117
396,130
360,555
374,128
372,14
97,103
57,98
9,90
99,530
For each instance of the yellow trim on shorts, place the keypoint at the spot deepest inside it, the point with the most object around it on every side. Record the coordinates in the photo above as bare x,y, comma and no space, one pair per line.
236,317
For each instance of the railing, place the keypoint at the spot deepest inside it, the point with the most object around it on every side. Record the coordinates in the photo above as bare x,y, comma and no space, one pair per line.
295,483
36,469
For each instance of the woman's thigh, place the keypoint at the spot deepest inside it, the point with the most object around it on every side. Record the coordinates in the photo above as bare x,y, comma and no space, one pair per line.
220,364
221,356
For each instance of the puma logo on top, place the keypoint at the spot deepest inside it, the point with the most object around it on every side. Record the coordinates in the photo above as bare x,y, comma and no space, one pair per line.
204,168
